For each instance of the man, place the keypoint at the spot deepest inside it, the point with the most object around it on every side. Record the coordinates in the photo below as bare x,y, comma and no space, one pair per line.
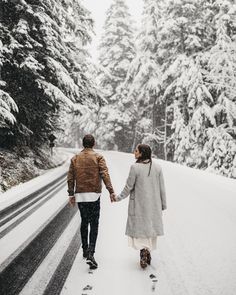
86,171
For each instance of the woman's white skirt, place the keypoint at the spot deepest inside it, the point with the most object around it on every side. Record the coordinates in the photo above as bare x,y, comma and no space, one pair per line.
139,243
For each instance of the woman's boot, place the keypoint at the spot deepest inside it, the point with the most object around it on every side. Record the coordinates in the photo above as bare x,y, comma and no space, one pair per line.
149,258
143,258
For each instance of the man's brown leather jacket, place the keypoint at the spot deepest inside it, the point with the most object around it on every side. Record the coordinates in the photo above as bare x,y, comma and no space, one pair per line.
86,172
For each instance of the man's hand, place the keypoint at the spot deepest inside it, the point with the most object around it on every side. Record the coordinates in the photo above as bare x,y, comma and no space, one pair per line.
72,201
113,197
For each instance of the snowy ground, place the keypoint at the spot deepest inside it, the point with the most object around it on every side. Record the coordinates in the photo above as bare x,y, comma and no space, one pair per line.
196,256
21,190
16,170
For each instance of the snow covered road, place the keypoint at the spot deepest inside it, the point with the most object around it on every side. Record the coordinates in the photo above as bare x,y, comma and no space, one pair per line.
196,256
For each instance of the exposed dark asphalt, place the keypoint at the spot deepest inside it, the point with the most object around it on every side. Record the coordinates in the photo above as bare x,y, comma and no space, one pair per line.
27,214
14,277
10,209
59,277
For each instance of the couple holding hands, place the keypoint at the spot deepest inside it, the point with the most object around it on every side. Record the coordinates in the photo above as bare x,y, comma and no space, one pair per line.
144,185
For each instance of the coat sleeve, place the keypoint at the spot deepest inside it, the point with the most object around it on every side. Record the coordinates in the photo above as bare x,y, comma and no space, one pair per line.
103,171
71,179
130,183
163,191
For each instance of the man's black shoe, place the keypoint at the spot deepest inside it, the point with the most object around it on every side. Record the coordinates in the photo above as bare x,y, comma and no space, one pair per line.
91,261
85,253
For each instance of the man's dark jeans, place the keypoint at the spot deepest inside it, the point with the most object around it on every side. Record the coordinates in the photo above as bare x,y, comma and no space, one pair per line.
89,212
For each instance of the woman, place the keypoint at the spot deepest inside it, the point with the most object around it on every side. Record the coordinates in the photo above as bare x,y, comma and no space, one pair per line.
145,185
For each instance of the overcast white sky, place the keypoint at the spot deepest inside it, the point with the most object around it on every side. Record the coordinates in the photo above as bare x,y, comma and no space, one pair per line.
98,9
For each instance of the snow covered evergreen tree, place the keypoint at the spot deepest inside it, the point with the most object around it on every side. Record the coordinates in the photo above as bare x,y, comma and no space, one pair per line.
116,52
220,147
143,79
43,64
7,109
198,80
184,36
116,48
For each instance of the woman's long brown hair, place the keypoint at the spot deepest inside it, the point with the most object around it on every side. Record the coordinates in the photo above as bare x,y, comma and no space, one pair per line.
146,154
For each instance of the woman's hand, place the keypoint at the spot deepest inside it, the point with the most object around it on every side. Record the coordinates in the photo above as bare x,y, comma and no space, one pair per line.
113,197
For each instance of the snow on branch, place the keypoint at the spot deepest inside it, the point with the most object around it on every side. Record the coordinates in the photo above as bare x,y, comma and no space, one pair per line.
7,106
54,93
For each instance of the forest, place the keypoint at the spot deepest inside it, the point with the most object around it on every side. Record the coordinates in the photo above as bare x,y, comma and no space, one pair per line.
169,81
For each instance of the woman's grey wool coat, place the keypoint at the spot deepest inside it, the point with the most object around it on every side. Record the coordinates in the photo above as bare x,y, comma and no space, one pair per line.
146,202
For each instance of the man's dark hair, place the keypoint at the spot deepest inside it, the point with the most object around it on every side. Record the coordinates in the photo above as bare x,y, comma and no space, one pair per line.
88,141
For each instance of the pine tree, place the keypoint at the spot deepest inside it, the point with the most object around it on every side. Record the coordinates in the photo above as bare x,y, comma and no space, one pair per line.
185,34
180,140
116,48
222,68
43,64
116,52
221,146
143,78
8,107
203,85
186,29
201,116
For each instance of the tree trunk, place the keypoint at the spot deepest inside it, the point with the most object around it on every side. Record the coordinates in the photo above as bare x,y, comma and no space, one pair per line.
154,125
135,139
182,39
165,133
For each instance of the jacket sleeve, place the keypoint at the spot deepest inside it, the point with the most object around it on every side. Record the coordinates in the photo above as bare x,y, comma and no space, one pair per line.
130,182
103,171
163,191
71,179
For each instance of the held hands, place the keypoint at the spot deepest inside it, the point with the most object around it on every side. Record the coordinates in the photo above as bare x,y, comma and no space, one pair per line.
113,197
